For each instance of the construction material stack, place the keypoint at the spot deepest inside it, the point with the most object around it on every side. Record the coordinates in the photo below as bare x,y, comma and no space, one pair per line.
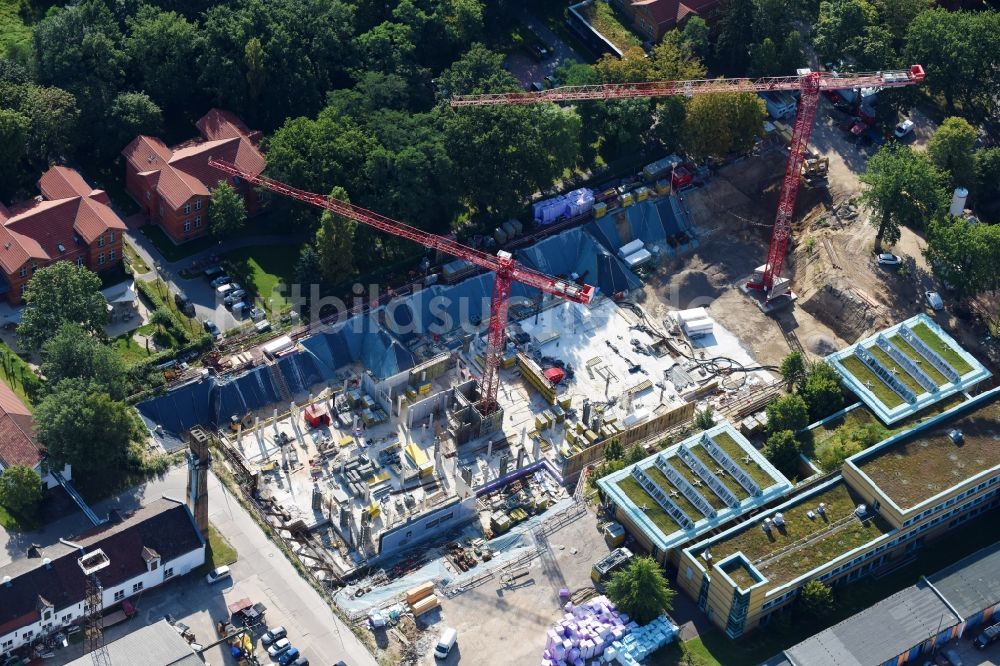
421,598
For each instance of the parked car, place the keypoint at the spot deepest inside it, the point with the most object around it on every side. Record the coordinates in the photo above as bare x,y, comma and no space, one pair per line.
217,574
288,656
990,634
889,259
221,280
273,634
210,327
279,646
234,296
536,86
447,641
950,657
301,661
934,300
184,304
212,272
903,129
256,314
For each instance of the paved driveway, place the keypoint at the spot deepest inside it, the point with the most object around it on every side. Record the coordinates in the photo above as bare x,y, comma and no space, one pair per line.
526,68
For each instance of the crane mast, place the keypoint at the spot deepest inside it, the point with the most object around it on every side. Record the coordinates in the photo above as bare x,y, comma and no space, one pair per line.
506,270
808,84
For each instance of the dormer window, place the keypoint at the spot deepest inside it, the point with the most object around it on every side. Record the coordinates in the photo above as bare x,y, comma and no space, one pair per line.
151,557
61,248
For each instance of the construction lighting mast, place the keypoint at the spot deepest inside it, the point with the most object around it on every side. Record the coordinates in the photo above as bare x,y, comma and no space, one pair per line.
808,83
505,269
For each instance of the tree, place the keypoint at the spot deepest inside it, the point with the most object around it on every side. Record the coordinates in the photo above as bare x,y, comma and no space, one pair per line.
841,24
896,15
57,294
986,163
13,146
641,590
735,35
227,212
614,450
704,419
53,117
695,35
822,391
950,150
73,353
20,489
783,450
163,45
131,114
964,254
816,599
788,412
335,242
87,429
845,442
959,52
793,370
716,125
904,189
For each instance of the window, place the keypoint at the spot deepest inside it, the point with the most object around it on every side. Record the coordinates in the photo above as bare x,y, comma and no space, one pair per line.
137,587
47,615
147,195
236,180
119,595
168,572
24,271
111,236
187,225
111,255
197,204
79,261
153,565
67,618
100,259
187,209
26,636
197,221
161,211
34,267
24,288
100,241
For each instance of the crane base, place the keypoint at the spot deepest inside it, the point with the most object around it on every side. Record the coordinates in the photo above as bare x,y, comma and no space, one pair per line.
766,305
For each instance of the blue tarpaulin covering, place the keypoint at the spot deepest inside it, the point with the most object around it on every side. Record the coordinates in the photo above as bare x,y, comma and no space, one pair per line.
359,340
651,221
576,252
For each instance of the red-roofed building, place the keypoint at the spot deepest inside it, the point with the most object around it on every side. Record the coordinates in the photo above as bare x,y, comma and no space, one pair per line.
653,18
70,221
17,437
173,185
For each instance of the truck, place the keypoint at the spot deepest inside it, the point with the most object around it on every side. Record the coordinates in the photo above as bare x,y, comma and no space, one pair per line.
606,566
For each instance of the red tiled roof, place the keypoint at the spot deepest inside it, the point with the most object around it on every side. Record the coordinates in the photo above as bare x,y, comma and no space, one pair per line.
671,12
183,172
36,228
16,426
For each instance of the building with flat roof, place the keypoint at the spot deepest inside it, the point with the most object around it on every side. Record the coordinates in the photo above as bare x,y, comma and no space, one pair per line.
157,644
956,601
691,488
886,502
906,368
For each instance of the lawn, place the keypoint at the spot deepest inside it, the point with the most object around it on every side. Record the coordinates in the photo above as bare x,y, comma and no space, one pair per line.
265,267
604,19
905,347
129,349
219,552
931,339
641,498
14,369
871,381
137,263
737,454
9,521
901,374
15,36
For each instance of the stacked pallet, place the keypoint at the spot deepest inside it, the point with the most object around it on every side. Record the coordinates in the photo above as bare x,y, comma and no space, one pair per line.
421,598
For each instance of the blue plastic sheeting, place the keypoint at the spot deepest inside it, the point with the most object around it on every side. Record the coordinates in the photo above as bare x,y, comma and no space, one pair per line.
650,221
440,308
358,340
574,251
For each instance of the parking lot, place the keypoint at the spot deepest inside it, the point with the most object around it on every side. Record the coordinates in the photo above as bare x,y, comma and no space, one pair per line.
971,656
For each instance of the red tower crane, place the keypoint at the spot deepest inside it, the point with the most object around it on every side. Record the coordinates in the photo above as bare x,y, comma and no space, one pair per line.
505,269
809,84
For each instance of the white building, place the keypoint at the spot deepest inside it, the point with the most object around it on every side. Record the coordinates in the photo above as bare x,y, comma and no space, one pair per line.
40,595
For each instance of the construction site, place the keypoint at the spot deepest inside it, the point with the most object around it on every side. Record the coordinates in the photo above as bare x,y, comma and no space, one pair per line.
426,445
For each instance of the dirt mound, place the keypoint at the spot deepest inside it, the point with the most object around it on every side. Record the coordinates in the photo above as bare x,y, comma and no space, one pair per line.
838,305
693,289
821,345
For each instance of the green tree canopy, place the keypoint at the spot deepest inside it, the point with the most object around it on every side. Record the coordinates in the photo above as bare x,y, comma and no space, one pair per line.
227,212
163,46
13,146
87,430
58,294
641,590
788,412
20,490
841,24
131,114
816,599
716,125
964,254
793,370
73,353
822,391
783,449
696,36
904,189
832,453
335,243
704,419
950,150
986,164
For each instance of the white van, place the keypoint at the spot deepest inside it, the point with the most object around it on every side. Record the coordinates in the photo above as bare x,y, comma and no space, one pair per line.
447,641
224,289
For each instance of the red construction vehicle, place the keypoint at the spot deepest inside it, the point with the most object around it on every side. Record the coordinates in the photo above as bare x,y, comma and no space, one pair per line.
809,84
